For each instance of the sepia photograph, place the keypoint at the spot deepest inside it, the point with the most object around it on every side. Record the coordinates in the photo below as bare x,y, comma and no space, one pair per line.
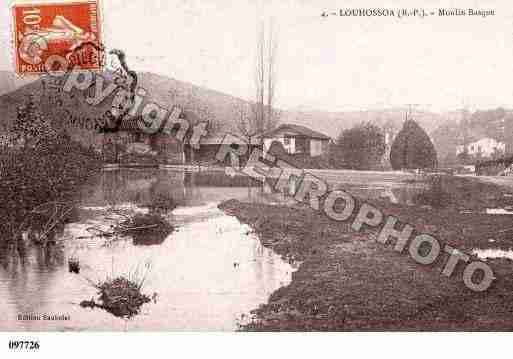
214,166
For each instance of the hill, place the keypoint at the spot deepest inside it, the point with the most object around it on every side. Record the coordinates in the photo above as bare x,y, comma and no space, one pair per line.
332,123
194,100
200,102
10,82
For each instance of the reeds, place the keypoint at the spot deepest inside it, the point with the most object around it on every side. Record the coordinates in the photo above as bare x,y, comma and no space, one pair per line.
121,295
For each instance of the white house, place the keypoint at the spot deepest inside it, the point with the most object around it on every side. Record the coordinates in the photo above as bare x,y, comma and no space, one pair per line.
297,140
483,147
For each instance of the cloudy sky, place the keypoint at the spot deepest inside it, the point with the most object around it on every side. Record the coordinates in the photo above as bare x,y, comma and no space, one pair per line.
334,63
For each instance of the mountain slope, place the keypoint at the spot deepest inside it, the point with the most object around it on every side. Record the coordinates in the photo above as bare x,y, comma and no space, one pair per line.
332,123
220,108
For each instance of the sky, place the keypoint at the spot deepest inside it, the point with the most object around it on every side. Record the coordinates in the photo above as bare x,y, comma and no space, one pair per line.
326,63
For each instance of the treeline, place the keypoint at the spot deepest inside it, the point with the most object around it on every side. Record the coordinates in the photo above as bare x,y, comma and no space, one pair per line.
363,147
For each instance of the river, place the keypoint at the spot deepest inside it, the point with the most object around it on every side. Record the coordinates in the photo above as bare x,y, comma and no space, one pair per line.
207,275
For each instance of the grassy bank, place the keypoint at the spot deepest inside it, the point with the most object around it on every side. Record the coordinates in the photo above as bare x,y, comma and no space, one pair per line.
348,281
32,177
462,193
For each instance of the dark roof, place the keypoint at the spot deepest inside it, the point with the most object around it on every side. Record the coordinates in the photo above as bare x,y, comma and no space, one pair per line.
301,130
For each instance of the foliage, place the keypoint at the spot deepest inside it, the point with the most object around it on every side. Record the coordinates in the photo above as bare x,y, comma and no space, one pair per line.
361,147
121,295
40,167
489,123
30,128
412,148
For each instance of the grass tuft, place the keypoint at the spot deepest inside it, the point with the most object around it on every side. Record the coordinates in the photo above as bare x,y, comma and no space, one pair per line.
122,295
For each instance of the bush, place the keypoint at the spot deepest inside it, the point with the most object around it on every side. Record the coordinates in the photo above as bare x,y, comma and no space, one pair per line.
121,297
361,147
34,175
412,148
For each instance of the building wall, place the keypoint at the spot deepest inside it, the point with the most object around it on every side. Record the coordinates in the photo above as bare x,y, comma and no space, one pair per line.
316,147
290,146
303,145
485,146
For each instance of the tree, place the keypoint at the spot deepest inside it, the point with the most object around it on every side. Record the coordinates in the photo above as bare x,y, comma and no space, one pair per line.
253,119
412,148
361,147
31,128
247,123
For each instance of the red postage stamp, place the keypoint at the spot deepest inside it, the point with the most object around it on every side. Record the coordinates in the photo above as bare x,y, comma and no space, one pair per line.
50,36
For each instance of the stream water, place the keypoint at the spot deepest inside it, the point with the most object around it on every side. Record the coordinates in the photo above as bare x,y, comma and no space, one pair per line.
208,274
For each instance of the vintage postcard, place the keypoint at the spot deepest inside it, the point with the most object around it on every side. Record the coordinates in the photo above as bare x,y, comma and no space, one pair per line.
220,166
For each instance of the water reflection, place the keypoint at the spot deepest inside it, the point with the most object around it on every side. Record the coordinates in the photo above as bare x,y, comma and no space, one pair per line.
209,274
142,187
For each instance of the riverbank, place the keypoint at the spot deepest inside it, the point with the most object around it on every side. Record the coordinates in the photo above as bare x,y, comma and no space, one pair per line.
348,281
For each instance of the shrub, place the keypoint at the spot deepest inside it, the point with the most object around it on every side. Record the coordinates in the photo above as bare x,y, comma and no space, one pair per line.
361,147
412,148
34,175
121,295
